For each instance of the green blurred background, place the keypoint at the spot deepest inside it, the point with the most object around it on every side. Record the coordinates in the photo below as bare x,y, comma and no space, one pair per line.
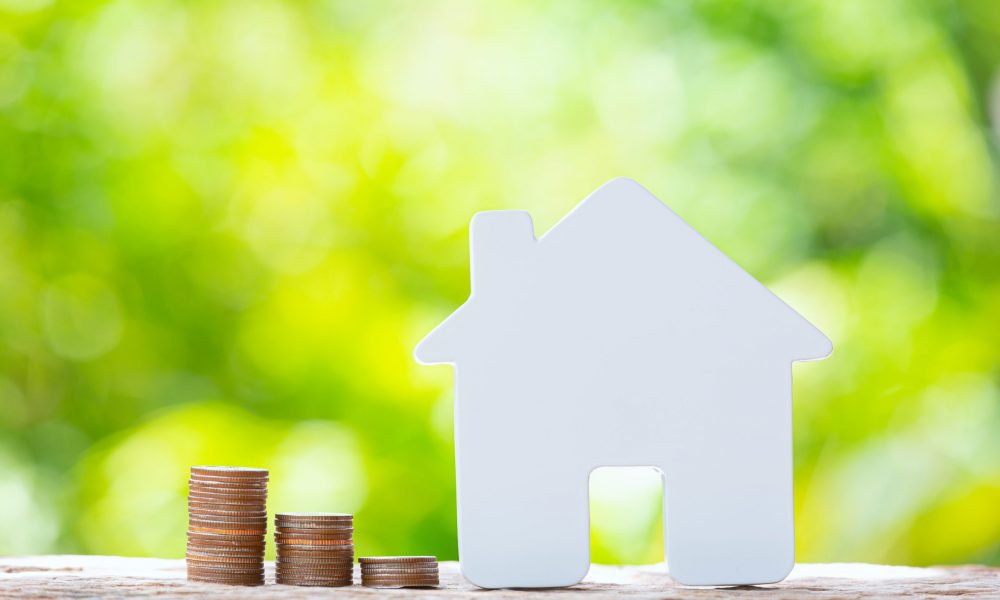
224,226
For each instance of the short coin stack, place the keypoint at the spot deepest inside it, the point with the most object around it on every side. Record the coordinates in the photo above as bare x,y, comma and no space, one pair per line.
314,549
399,571
227,524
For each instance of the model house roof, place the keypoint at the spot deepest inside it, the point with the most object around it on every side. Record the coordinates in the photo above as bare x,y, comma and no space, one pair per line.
621,259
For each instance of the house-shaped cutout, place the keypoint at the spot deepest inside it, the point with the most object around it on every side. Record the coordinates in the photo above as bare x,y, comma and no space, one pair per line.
619,338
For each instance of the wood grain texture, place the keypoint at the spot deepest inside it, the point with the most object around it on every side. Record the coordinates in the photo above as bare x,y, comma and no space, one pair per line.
117,577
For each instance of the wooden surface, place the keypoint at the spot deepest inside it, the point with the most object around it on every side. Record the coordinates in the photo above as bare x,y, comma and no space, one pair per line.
115,577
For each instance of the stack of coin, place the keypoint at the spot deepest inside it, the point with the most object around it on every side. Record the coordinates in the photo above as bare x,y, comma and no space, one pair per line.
227,524
314,549
399,571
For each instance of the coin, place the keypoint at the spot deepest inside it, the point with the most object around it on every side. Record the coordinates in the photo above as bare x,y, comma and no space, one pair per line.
314,524
236,484
301,563
315,551
314,516
309,522
222,530
227,481
197,524
203,505
397,559
400,571
226,546
262,520
311,580
347,535
298,566
319,571
214,512
400,578
248,472
234,580
229,504
225,569
228,476
214,554
317,559
397,583
225,539
334,576
301,541
227,498
217,560
284,527
228,522
227,490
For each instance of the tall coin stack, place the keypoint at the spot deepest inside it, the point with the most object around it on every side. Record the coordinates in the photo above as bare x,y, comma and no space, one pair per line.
399,571
314,549
227,524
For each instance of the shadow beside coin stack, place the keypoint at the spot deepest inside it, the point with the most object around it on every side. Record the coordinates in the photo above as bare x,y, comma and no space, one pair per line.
315,549
227,524
399,571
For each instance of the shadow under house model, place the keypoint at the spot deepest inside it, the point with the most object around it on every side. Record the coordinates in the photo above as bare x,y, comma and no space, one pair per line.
621,337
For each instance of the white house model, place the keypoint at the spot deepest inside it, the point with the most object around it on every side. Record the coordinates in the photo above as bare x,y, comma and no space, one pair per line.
619,338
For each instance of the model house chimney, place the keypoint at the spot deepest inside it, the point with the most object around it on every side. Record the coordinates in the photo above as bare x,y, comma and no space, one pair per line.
501,242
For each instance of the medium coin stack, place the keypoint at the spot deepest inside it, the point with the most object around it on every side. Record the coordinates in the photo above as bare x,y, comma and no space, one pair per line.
314,549
227,524
399,571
